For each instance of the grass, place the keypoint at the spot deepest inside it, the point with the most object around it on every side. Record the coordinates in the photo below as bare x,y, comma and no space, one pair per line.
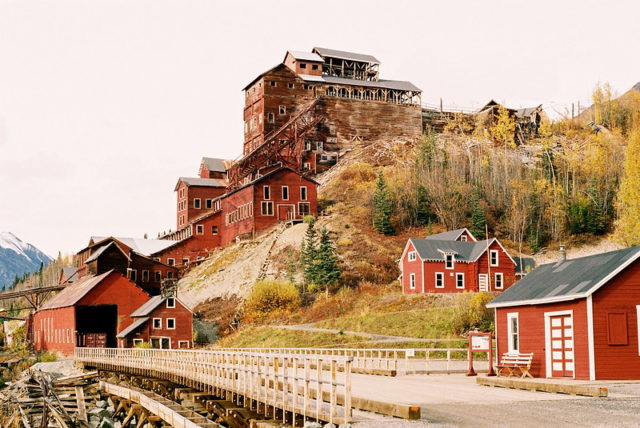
269,337
432,323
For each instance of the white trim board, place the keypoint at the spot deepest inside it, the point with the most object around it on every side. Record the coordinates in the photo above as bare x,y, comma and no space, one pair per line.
547,340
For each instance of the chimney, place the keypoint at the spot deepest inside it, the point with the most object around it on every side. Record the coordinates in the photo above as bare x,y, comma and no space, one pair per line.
563,254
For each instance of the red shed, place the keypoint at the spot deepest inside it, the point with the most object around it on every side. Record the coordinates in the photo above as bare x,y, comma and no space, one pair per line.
580,318
88,312
165,322
454,261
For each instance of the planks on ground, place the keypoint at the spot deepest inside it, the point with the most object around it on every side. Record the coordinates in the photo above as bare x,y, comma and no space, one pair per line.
544,385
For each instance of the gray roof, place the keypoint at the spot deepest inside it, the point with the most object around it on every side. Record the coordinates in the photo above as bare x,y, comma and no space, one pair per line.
203,182
568,280
306,56
464,251
70,273
99,251
382,84
215,164
450,235
133,327
324,52
148,306
146,247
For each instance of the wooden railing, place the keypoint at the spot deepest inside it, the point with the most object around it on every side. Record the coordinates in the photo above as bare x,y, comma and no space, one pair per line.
308,385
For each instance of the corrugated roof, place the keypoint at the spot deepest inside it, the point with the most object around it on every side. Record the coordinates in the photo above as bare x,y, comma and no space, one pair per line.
142,246
382,84
101,250
568,280
133,327
71,294
306,56
465,251
216,165
203,182
148,306
70,274
333,53
450,235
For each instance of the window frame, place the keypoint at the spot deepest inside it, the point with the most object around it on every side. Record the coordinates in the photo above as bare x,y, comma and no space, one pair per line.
136,341
208,203
145,274
497,275
167,323
171,261
132,275
269,212
282,110
511,349
306,210
458,276
463,238
214,230
157,276
266,193
153,323
285,193
197,203
199,229
440,276
303,193
412,256
496,254
449,261
172,300
271,118
412,281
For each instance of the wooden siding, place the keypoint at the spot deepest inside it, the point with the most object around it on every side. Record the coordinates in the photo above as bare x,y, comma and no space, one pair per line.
183,331
531,322
188,213
55,330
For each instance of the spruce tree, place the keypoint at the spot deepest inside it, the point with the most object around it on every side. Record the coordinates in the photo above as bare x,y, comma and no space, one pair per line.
327,272
309,253
628,224
423,213
382,208
478,219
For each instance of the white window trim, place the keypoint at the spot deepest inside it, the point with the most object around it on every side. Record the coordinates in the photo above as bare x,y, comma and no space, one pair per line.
458,275
442,276
283,191
412,256
174,323
510,348
173,299
495,281
304,192
199,203
180,342
412,281
133,274
547,340
199,229
266,193
153,324
147,274
171,261
453,261
463,238
264,204
157,276
136,341
491,253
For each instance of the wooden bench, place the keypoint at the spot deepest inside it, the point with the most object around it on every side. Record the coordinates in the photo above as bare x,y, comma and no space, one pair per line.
510,364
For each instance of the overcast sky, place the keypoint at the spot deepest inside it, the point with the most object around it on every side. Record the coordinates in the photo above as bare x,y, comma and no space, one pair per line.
103,104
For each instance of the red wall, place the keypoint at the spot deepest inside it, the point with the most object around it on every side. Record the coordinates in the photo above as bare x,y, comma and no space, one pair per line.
197,245
411,267
55,329
532,334
621,295
191,193
182,332
230,203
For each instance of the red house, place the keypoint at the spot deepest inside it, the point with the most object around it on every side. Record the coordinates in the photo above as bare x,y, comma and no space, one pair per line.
196,197
165,322
580,318
89,311
455,261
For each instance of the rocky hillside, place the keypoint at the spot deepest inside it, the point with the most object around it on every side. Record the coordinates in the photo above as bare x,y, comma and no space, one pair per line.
18,258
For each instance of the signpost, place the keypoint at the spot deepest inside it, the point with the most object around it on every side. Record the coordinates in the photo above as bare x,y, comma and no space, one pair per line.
480,342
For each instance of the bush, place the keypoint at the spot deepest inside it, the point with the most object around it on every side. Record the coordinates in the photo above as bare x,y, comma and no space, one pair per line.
143,345
48,357
308,219
470,312
270,296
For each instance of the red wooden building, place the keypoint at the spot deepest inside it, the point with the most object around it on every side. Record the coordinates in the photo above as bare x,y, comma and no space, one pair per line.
455,261
580,318
165,322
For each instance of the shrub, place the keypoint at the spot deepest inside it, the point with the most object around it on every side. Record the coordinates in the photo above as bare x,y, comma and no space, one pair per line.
470,312
308,219
48,357
143,345
270,296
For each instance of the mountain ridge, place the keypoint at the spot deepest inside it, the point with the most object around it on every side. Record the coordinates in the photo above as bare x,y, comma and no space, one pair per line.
17,258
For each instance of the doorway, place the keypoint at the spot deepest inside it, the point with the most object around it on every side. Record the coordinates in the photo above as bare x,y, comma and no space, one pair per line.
560,344
97,325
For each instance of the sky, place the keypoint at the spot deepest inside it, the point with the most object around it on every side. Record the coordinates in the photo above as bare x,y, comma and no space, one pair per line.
105,103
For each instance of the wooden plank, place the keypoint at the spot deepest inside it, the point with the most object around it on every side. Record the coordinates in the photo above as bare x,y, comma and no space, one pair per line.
544,385
82,408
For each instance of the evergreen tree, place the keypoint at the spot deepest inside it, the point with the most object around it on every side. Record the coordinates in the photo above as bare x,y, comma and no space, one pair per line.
424,215
382,208
309,253
327,272
628,224
478,218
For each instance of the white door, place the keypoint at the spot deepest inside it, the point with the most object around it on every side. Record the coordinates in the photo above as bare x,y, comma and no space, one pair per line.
483,282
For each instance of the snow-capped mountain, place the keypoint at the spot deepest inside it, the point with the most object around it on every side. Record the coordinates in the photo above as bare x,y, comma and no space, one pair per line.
18,257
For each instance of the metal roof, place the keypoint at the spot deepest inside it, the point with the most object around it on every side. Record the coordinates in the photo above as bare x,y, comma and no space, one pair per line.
382,84
306,56
145,247
450,235
133,327
102,249
568,280
70,274
148,306
216,165
324,52
464,251
72,294
203,182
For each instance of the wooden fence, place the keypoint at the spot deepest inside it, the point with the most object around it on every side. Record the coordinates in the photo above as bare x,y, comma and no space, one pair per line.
311,386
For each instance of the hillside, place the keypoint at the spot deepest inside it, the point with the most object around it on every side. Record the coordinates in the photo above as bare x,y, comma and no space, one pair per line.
18,258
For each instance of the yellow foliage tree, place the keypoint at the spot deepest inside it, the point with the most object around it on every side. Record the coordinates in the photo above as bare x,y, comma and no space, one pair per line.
503,131
628,224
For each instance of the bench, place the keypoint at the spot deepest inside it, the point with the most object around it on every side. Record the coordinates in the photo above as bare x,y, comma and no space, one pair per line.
511,364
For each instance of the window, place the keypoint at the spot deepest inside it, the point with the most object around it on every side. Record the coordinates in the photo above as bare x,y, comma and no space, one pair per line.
171,302
513,333
304,208
303,65
460,280
439,280
306,166
145,276
267,208
170,274
214,230
157,276
463,238
307,87
617,329
209,203
196,203
448,261
183,344
314,67
285,193
200,229
282,110
171,323
266,192
171,262
499,281
494,257
303,193
137,342
319,146
290,85
133,274
157,323
307,146
271,117
412,281
185,261
272,83
412,256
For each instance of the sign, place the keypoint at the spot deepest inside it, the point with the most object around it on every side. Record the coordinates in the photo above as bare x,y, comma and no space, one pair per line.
480,343
410,353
